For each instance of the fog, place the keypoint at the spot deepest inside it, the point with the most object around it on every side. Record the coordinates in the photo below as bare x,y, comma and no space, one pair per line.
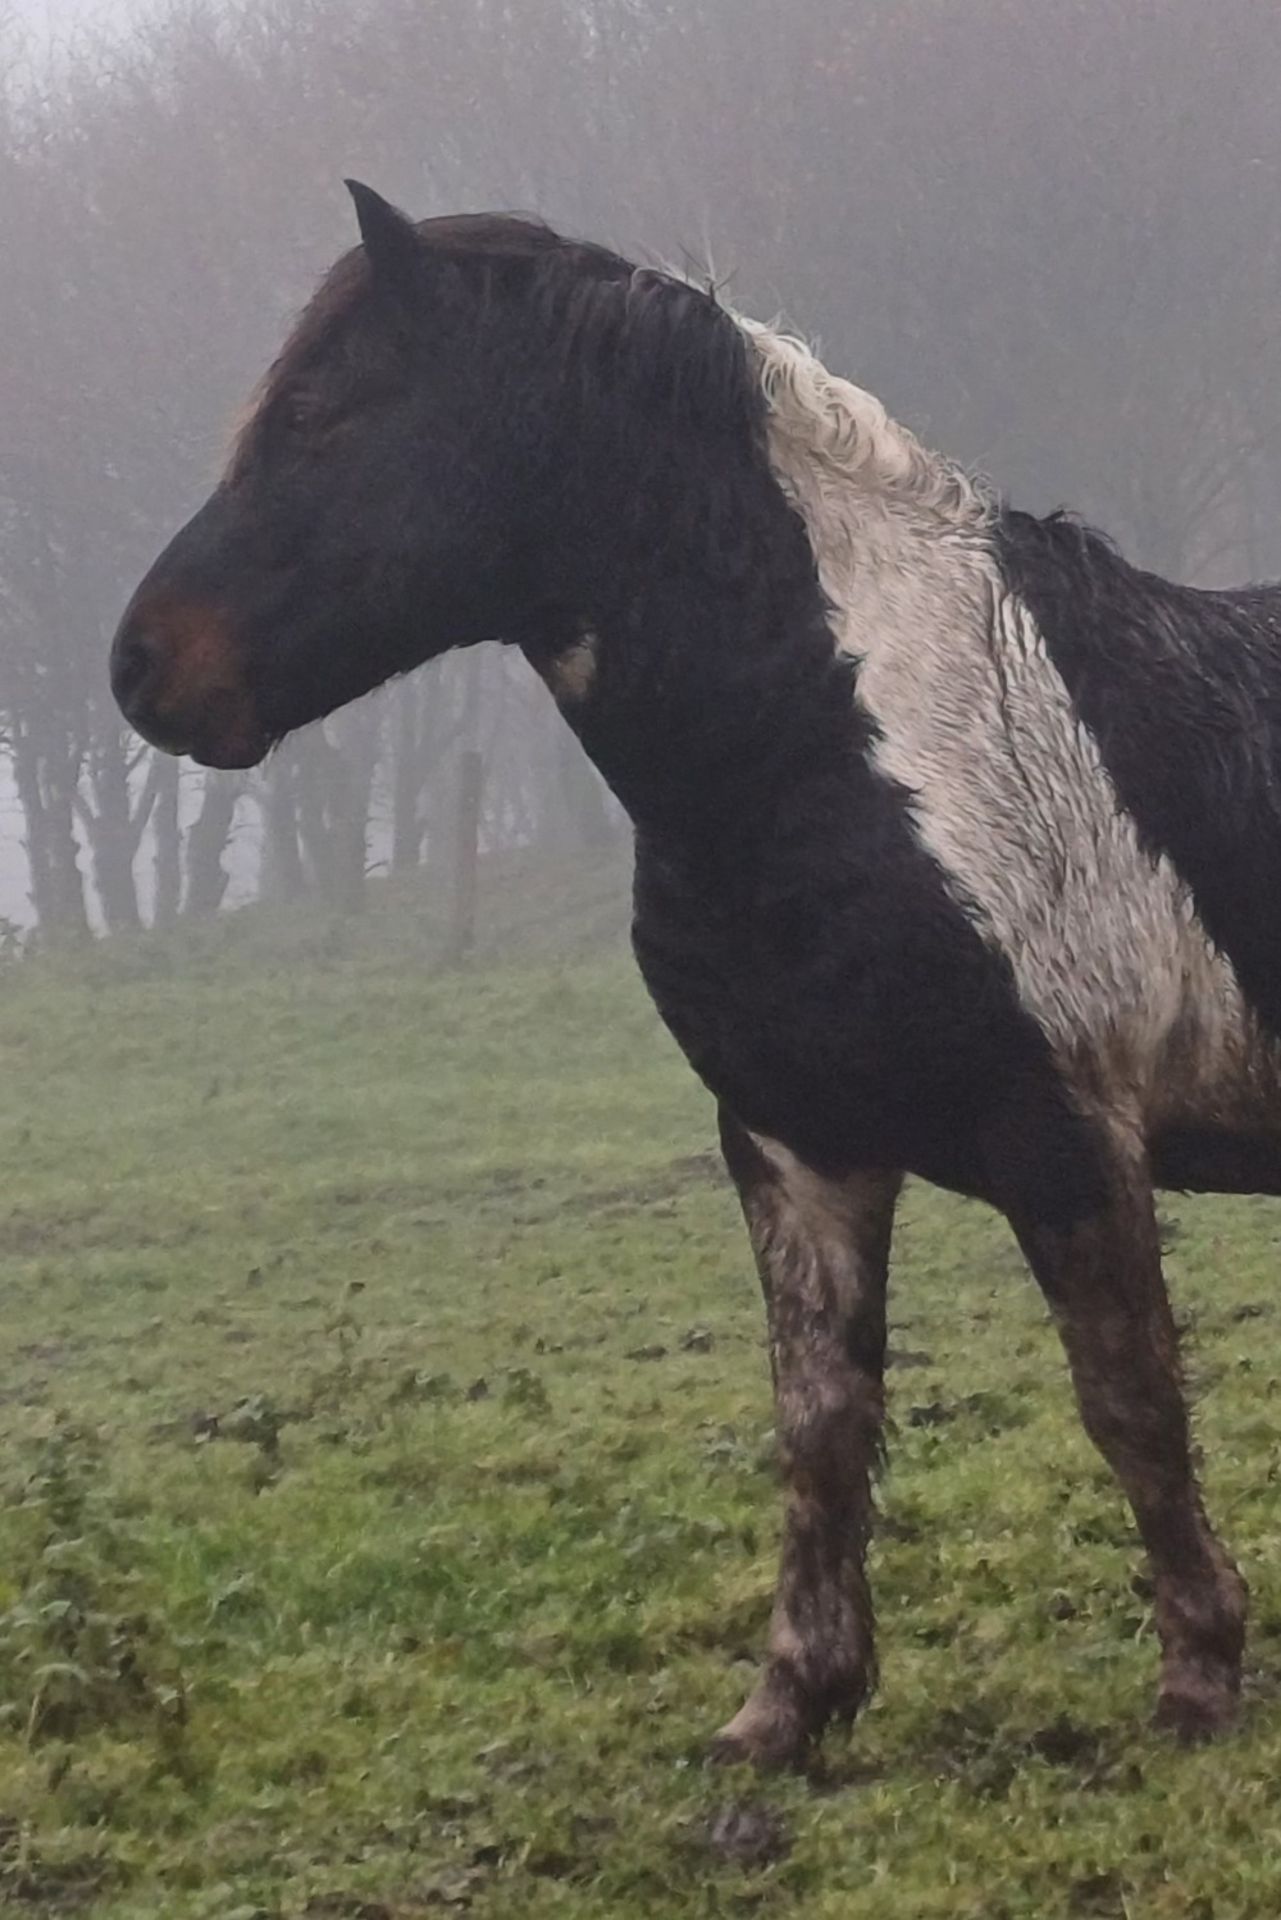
52,17
1045,232
49,25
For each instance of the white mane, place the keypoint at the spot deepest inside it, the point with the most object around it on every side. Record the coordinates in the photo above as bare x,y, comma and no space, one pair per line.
816,414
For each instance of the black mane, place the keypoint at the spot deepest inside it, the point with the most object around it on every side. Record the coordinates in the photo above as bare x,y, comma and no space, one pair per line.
606,329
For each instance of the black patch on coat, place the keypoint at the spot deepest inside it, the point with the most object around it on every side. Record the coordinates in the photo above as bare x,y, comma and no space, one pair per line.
1181,690
1211,1160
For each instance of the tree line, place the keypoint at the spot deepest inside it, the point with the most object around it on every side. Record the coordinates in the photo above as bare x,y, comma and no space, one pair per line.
1043,230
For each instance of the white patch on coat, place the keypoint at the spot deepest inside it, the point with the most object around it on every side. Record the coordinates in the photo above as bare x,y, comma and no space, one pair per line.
851,440
1007,789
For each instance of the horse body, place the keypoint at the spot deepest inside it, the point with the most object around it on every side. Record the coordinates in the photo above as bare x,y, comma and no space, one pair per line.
948,824
816,929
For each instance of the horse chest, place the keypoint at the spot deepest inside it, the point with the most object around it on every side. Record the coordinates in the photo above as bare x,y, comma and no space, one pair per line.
845,1009
746,1023
795,1005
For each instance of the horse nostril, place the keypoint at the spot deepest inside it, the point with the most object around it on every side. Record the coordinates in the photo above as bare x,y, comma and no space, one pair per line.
133,664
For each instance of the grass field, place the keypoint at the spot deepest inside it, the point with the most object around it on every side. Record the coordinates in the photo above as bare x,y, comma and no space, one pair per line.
389,1511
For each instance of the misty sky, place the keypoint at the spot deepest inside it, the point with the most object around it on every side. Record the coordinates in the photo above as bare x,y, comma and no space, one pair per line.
50,18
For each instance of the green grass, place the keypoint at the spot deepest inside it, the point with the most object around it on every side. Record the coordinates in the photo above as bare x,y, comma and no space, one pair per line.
389,1513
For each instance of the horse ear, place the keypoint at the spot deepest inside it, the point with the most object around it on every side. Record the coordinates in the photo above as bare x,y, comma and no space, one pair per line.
391,239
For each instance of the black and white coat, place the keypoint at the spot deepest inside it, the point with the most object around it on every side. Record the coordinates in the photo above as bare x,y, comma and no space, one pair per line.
968,939
958,840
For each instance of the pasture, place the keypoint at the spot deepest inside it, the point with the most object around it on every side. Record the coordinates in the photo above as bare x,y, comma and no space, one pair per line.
388,1503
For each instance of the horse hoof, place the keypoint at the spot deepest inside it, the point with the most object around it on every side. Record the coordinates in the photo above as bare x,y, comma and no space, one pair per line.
1194,1715
767,1733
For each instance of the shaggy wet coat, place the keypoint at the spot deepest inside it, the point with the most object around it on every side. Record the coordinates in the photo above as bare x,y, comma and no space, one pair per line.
957,838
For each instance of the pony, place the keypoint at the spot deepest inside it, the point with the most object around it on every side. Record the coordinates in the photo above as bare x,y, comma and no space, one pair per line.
957,838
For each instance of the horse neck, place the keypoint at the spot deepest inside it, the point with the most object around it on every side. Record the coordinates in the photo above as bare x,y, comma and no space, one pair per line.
714,582
716,609
699,684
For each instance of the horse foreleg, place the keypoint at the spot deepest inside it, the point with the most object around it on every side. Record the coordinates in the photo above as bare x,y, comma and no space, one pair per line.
822,1249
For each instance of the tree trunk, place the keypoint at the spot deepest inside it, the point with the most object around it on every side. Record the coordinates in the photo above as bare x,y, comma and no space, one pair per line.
335,781
71,918
44,774
343,868
408,775
167,828
282,879
309,792
207,878
359,733
26,775
462,929
113,836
